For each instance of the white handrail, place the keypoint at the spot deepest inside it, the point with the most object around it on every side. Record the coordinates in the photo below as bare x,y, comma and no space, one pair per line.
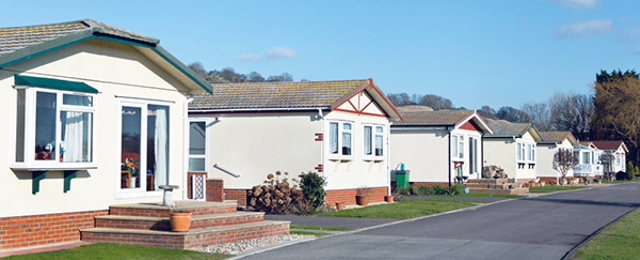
236,175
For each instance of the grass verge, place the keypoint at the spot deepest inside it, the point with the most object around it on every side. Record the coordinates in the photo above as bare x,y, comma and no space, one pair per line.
297,232
409,208
618,241
326,228
117,251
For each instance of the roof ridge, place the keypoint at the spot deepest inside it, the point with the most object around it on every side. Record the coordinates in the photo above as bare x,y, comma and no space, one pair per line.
46,24
283,82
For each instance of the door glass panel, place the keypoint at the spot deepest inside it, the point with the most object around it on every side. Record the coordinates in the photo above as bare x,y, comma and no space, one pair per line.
157,146
131,147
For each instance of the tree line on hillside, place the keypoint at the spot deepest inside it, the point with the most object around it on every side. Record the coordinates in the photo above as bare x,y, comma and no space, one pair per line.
611,113
228,75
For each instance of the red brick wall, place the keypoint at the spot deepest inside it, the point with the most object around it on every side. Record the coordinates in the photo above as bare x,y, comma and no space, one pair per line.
45,229
215,190
236,194
348,196
189,174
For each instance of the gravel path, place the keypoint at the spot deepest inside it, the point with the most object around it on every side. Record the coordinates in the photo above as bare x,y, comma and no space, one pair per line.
249,244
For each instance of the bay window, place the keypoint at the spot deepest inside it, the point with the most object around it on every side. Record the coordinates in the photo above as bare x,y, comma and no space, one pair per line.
54,124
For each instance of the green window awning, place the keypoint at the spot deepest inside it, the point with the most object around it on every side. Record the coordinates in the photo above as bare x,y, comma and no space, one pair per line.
21,80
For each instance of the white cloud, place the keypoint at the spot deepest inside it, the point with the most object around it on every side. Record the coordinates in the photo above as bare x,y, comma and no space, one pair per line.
576,4
277,53
585,28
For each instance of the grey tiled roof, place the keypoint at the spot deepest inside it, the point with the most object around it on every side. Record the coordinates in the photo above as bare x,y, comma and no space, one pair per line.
554,137
16,38
433,118
305,94
508,129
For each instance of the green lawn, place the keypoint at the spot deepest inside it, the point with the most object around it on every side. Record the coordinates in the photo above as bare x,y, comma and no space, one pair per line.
326,228
117,251
618,241
409,208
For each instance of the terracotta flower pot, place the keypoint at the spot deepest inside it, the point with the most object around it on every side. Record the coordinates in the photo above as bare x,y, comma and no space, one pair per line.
388,199
340,205
362,200
180,221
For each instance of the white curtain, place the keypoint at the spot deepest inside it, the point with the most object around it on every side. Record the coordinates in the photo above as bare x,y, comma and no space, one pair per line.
161,137
367,140
73,137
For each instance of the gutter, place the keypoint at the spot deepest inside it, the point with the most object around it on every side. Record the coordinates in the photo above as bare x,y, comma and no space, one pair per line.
322,144
449,155
236,110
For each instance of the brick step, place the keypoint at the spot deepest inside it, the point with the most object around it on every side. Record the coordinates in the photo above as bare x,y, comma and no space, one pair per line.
515,191
157,210
163,224
183,240
487,181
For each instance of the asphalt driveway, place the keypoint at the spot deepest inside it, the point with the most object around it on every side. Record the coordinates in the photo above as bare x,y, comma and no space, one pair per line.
545,227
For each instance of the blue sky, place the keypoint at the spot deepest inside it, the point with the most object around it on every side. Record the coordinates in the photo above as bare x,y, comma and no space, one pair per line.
493,52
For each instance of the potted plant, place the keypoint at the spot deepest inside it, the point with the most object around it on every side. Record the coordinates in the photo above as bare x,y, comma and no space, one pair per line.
388,199
180,220
339,205
134,168
362,196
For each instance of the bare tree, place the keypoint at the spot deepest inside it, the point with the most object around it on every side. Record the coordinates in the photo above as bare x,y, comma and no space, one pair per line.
572,112
539,114
512,115
434,101
198,68
255,77
563,161
606,159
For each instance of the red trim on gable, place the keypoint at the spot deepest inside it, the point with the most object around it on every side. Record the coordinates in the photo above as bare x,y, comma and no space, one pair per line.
470,125
352,105
365,107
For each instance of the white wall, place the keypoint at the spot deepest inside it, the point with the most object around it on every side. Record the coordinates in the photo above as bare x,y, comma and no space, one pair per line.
424,152
545,158
255,145
113,69
500,152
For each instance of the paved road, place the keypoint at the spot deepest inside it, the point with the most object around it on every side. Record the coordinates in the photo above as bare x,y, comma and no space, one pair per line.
545,227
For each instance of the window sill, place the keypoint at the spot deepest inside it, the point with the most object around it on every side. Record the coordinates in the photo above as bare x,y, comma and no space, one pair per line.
340,159
54,168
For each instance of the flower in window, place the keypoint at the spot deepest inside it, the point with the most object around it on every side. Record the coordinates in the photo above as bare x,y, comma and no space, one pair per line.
132,166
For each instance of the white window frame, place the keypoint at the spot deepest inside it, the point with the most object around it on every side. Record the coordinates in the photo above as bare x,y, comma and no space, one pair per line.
29,162
339,155
457,145
374,134
206,146
533,153
122,193
521,152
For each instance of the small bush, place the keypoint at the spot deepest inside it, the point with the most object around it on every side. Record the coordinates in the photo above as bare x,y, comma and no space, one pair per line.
404,191
312,187
455,190
425,190
439,190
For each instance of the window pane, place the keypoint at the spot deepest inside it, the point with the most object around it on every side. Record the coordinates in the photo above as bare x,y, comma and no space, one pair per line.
379,145
76,136
461,148
197,138
455,146
519,151
379,129
367,140
77,100
346,143
346,126
585,158
196,164
529,152
45,126
157,146
131,145
20,128
333,138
